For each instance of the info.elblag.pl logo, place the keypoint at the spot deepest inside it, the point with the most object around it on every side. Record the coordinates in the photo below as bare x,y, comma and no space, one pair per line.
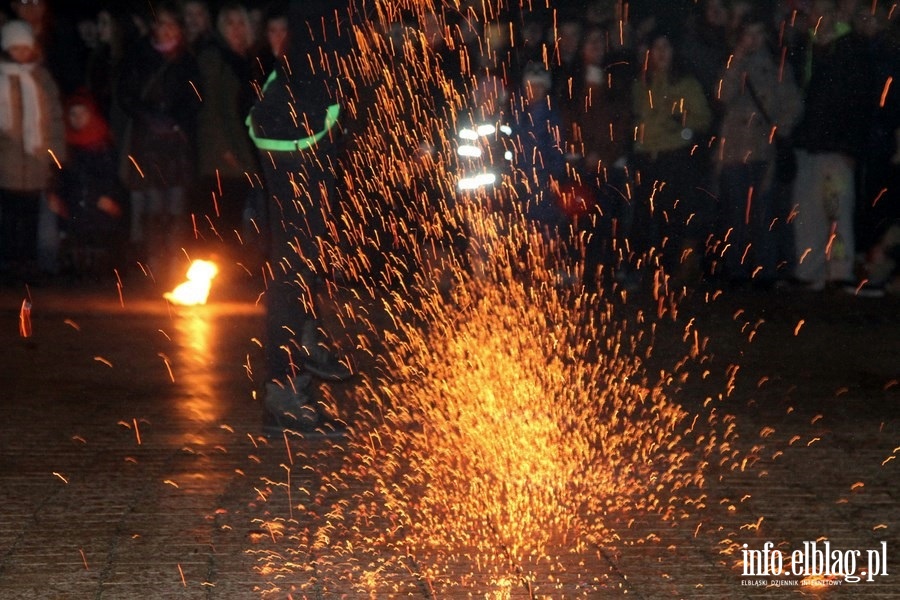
815,561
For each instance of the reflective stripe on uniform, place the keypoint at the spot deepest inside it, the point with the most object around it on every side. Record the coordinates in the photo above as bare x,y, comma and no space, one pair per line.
332,114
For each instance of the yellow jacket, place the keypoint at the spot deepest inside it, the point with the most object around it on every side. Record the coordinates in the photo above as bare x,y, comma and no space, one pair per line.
669,114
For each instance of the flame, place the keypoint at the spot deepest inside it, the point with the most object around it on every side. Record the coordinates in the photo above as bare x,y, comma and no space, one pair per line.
195,290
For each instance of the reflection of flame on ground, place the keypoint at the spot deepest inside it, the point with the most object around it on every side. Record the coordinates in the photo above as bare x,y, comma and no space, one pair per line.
195,290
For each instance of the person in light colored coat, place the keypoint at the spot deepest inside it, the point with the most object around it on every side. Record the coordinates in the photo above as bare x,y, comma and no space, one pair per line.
32,145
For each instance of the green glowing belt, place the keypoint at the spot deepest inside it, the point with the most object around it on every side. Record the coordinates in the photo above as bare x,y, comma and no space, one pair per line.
276,145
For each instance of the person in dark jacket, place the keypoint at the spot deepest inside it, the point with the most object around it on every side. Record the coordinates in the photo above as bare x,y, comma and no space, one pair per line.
227,161
160,92
599,130
539,158
296,127
830,138
88,195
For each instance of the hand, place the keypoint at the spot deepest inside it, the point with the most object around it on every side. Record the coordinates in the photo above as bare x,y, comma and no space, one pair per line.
109,206
57,206
231,160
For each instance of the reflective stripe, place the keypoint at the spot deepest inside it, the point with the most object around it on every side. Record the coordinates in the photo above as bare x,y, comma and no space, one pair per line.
270,144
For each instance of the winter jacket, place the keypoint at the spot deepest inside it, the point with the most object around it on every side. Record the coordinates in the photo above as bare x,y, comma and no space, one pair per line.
21,170
161,97
312,88
91,173
227,99
539,153
839,99
599,123
745,132
669,114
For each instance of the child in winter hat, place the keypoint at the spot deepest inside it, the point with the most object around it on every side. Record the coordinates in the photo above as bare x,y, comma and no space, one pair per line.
16,33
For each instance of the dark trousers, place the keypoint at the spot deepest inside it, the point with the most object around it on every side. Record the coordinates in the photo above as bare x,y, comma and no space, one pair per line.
747,226
671,214
19,217
300,190
219,204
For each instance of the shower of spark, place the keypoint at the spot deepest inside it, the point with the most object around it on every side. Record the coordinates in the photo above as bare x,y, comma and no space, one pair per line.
508,418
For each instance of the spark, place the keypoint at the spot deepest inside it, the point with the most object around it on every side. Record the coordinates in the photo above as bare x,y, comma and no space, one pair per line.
119,288
25,330
61,477
55,159
884,91
136,166
168,366
104,361
507,415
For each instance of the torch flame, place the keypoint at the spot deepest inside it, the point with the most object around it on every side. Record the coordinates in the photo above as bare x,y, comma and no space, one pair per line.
195,290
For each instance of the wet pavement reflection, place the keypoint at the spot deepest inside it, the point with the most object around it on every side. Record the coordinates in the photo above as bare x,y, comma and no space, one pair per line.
132,465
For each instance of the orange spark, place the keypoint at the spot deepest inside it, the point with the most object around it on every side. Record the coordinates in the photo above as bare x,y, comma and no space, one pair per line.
25,319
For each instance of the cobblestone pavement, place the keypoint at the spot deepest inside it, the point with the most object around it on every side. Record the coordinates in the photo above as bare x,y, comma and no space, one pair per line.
132,465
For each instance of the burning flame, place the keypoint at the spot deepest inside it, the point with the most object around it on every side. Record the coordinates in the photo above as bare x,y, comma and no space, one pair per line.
195,290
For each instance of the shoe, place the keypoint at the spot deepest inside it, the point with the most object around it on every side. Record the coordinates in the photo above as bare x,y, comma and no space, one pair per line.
801,285
326,365
863,290
290,406
292,409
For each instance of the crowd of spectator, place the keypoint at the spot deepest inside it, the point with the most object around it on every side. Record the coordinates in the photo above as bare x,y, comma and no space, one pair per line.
720,142
745,144
142,108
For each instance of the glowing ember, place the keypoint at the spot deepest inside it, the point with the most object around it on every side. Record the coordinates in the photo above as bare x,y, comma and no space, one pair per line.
195,290
25,319
510,419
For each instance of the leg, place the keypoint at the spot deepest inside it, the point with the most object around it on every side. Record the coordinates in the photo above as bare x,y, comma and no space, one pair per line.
810,222
294,348
840,250
735,196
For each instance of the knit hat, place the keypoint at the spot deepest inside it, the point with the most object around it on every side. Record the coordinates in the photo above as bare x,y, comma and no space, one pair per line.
16,33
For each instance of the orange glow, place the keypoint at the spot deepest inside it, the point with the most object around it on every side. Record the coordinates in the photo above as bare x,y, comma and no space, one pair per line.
25,319
195,290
